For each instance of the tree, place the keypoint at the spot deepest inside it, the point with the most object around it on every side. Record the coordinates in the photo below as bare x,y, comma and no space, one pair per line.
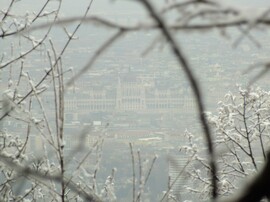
25,175
25,95
241,138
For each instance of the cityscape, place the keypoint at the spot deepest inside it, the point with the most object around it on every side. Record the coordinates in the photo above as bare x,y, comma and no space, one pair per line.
128,99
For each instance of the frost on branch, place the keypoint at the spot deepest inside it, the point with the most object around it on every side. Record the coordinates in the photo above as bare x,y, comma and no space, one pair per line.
241,128
108,193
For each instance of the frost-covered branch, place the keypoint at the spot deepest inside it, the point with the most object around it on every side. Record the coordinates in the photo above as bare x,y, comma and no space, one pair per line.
27,172
239,137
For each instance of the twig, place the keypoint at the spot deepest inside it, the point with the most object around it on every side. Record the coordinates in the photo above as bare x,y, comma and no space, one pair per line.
170,186
133,172
258,188
26,171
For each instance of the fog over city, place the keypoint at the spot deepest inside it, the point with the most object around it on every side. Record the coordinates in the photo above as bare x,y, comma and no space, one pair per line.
102,109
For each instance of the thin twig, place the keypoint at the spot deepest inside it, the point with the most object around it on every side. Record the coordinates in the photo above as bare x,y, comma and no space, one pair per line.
170,185
133,173
26,171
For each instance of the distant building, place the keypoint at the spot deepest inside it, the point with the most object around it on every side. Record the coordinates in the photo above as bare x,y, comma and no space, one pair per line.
178,180
130,93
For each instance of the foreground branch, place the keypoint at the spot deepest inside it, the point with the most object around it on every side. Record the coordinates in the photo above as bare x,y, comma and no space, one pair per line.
183,62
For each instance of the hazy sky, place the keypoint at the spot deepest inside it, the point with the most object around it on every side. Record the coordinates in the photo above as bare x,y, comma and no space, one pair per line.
114,7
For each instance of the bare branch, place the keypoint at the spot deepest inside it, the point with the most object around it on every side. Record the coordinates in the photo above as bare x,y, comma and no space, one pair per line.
183,62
